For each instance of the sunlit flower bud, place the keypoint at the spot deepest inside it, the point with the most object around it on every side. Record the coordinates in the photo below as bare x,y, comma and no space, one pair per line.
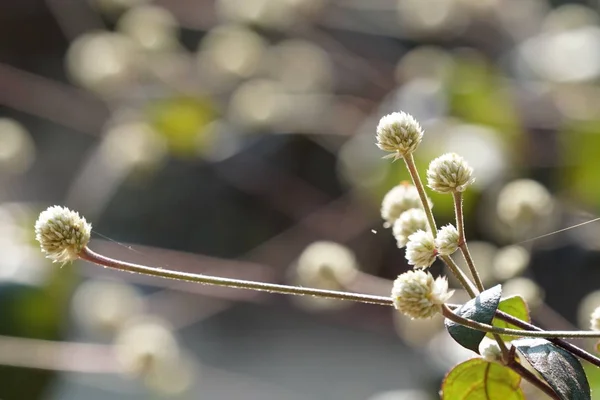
418,295
409,222
490,351
446,241
449,173
399,133
62,233
400,198
420,249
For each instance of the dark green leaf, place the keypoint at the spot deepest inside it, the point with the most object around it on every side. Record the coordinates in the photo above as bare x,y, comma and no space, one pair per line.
479,379
481,309
558,367
515,306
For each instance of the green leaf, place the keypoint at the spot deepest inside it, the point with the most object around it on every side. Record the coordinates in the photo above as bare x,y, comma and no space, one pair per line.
481,309
479,379
558,367
515,306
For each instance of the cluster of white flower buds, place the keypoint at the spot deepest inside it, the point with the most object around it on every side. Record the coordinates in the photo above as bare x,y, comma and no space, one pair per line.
416,293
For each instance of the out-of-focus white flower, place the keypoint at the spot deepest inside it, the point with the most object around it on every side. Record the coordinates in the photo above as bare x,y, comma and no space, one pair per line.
104,307
271,14
586,307
399,199
420,249
300,66
524,203
62,233
229,53
510,261
418,295
399,133
17,149
324,265
409,222
449,173
530,291
143,345
104,62
153,28
595,319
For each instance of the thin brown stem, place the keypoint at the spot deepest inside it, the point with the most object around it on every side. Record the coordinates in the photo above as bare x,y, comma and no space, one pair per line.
584,355
460,275
462,240
592,359
449,314
414,174
89,255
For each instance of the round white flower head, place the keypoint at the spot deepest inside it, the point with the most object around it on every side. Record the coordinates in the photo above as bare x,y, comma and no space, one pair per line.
420,249
446,241
595,320
400,198
399,133
449,173
409,222
490,351
62,233
418,295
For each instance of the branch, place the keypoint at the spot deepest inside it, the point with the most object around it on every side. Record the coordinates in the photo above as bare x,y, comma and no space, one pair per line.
89,255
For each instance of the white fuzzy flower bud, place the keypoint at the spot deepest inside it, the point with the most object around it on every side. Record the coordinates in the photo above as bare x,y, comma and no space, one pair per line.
62,233
595,320
400,198
449,173
399,133
409,222
490,351
420,249
446,241
418,295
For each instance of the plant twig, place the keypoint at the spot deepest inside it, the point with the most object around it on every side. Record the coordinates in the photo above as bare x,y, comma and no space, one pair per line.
89,255
448,313
460,275
414,174
462,241
592,359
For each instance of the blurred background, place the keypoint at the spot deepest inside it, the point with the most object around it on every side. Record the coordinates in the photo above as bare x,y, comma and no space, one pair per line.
236,138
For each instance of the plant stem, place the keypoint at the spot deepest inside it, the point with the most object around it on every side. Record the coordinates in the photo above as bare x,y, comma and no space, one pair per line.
460,275
414,174
462,241
448,313
592,359
89,255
